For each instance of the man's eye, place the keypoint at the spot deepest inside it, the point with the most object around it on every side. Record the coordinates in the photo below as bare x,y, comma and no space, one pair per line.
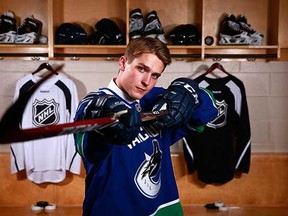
156,76
141,69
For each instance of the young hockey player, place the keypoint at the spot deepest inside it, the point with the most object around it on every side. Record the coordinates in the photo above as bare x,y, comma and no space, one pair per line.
128,164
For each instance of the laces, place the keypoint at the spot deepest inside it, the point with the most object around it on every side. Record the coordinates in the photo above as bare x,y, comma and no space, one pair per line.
153,25
136,24
234,26
247,27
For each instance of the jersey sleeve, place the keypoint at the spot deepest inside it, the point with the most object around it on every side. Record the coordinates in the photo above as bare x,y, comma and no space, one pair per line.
90,145
17,153
243,135
149,100
205,112
73,159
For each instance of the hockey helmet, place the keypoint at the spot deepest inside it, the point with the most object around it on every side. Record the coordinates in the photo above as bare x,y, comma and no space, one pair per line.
70,33
185,34
107,33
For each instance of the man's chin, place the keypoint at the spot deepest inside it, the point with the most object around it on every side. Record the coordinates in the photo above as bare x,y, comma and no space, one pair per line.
138,96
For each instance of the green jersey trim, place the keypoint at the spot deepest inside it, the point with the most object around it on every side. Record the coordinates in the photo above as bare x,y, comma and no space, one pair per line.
172,208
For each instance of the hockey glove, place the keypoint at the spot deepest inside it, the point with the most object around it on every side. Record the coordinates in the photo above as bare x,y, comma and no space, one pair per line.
122,131
179,99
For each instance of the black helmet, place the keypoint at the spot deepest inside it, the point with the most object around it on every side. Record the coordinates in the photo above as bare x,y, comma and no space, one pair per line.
70,33
107,32
185,34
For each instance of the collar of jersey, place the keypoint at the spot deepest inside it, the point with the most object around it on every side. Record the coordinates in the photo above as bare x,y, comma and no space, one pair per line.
47,84
114,89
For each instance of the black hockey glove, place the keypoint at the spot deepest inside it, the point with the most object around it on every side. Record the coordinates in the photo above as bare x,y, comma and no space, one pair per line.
128,125
179,99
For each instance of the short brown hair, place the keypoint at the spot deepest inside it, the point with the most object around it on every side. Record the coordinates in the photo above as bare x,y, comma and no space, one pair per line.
138,46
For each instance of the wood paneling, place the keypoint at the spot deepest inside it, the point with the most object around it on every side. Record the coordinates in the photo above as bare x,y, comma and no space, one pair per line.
265,185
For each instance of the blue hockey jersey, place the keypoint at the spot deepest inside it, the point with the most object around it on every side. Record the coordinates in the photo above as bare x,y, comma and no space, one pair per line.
133,179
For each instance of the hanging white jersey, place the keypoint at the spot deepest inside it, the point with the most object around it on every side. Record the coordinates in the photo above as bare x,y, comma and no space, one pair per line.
54,102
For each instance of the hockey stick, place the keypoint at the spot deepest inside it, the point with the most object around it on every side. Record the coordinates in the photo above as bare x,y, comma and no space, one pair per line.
9,135
10,130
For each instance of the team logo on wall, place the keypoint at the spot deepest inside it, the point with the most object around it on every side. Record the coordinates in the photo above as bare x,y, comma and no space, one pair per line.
45,112
147,177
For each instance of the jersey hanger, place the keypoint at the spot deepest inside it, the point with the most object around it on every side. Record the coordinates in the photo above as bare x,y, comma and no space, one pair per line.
45,66
216,66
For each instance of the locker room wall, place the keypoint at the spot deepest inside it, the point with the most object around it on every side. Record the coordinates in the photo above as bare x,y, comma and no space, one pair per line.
265,82
267,92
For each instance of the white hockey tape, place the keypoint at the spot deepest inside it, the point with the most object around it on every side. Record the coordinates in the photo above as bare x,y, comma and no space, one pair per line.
223,208
50,207
219,204
36,208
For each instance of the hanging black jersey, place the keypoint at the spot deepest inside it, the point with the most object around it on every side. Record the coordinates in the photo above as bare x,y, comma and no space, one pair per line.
55,102
224,146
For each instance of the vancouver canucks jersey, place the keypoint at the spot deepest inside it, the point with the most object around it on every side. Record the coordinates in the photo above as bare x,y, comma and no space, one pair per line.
54,102
225,145
133,179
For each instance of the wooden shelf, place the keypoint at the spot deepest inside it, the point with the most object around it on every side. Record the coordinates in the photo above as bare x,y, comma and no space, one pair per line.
79,52
266,16
284,53
27,52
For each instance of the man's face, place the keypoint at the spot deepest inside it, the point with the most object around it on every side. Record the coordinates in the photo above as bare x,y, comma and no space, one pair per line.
138,77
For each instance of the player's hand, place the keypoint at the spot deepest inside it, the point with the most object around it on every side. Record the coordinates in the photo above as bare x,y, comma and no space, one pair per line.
179,99
125,129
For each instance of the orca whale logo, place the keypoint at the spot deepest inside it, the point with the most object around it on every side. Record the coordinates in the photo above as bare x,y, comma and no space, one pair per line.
148,177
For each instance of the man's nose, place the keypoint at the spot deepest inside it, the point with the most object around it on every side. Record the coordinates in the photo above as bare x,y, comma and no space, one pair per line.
146,79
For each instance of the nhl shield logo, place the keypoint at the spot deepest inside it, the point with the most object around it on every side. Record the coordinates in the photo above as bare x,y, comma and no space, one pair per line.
45,112
221,119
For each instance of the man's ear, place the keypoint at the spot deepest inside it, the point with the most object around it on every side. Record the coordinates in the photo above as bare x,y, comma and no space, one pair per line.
122,62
